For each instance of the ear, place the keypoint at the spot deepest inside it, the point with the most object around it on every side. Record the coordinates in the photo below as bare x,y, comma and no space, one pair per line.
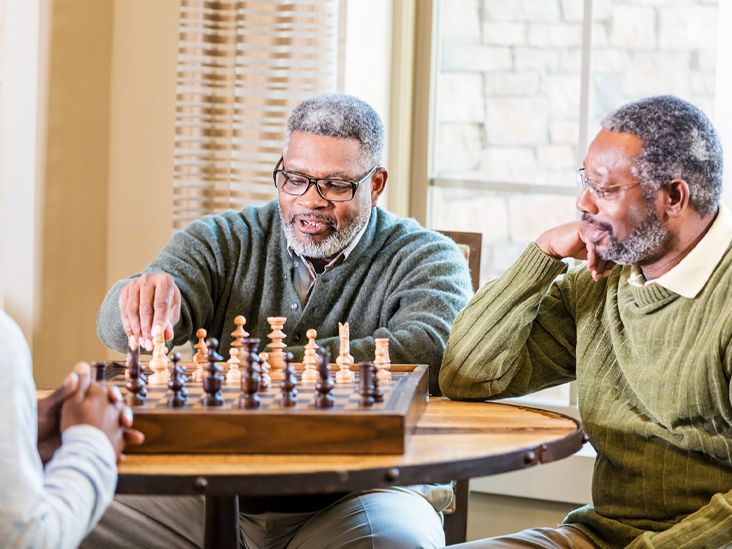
675,195
378,182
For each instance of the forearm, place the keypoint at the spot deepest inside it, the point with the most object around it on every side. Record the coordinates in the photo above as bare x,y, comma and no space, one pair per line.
109,321
490,348
710,526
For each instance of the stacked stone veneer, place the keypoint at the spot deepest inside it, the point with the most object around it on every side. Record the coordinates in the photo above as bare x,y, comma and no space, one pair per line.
508,98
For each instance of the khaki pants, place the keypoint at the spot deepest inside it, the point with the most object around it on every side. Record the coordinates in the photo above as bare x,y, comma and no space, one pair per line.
562,537
392,518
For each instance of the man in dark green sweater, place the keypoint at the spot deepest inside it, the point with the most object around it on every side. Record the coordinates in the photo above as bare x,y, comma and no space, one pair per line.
644,328
322,253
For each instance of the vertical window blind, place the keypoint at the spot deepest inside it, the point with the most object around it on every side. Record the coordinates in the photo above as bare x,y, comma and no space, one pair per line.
242,68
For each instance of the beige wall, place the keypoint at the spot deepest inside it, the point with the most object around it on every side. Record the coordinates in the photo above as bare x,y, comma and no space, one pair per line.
106,194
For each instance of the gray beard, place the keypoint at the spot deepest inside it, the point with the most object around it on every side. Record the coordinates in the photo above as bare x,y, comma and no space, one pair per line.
645,242
332,245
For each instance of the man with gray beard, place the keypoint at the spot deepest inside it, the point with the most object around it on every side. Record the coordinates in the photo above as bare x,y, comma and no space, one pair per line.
322,253
644,327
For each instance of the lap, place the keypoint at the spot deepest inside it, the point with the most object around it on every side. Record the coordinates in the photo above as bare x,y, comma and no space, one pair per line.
563,537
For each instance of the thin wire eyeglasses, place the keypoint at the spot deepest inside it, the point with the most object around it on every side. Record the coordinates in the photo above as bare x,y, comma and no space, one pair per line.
600,192
332,189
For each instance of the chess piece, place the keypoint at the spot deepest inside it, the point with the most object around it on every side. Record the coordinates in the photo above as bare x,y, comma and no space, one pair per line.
310,359
99,371
201,356
365,383
276,346
265,380
135,385
159,360
381,359
177,384
213,381
377,391
234,374
344,360
289,392
250,380
239,335
324,387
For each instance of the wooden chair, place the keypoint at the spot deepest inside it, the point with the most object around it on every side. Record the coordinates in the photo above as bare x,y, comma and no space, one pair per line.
456,515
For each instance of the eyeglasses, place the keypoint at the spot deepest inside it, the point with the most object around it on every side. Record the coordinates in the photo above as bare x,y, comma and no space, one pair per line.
600,192
331,189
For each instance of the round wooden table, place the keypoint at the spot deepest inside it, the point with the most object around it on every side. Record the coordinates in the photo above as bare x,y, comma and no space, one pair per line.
453,441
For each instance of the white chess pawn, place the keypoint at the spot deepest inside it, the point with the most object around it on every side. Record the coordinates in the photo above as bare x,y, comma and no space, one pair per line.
233,376
265,380
310,359
201,356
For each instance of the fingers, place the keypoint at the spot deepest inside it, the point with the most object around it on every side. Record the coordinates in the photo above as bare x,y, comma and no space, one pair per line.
83,372
133,437
68,388
129,307
148,301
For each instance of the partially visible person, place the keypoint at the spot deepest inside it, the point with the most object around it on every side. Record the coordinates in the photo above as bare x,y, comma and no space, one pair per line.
79,432
645,328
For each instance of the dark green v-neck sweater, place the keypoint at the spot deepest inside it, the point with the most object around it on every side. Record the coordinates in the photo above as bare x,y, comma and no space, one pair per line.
653,374
401,282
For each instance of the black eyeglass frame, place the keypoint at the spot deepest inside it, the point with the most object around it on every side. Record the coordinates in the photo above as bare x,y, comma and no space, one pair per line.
312,181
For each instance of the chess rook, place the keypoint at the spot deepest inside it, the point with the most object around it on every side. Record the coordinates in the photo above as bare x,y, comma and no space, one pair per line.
381,359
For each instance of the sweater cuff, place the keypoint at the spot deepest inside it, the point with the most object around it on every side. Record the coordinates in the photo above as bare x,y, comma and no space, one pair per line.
537,265
95,437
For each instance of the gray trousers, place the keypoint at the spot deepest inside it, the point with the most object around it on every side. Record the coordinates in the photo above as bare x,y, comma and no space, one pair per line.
390,518
562,537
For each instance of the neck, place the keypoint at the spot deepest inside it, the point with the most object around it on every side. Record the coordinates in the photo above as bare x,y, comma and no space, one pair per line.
681,244
319,263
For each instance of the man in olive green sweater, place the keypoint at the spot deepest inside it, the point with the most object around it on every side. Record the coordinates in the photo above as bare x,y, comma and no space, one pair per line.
644,328
322,253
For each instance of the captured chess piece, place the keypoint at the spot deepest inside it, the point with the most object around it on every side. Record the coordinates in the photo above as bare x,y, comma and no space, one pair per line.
265,380
250,380
135,384
276,346
310,359
344,360
201,356
213,381
381,359
240,334
159,360
324,387
177,384
289,383
365,383
233,375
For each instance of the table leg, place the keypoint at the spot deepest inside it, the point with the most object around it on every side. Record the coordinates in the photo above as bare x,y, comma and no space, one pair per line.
222,522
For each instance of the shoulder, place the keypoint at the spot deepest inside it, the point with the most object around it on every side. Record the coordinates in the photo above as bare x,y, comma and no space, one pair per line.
407,236
15,361
232,224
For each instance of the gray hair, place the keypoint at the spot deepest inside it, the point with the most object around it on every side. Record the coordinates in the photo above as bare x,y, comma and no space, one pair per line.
344,116
679,142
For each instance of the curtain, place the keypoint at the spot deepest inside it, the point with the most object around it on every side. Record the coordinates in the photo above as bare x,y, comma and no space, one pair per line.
242,68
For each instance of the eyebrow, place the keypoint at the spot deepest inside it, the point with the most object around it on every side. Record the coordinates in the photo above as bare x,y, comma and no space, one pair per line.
332,175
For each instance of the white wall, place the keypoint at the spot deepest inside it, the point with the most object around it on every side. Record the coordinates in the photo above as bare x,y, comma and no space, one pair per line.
723,105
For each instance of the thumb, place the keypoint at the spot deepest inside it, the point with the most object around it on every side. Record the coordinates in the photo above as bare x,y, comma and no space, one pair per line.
83,371
68,387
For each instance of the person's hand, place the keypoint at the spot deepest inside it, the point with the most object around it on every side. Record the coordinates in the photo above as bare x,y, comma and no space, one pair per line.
569,240
49,411
147,301
101,406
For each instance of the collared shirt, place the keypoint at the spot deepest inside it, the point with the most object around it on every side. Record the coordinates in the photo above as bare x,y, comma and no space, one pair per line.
692,272
305,271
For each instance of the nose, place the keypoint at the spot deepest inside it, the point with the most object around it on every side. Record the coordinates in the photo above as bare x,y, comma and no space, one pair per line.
586,201
312,199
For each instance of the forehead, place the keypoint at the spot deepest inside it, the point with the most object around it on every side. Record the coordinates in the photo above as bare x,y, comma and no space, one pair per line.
612,152
322,155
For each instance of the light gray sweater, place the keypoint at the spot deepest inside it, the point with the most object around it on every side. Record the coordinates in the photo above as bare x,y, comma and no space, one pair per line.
401,282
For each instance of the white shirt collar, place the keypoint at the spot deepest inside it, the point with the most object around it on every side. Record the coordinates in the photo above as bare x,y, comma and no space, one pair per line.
690,275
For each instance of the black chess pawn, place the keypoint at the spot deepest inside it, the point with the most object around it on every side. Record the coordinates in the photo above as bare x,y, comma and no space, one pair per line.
365,383
250,376
377,392
213,381
324,387
177,384
135,385
289,384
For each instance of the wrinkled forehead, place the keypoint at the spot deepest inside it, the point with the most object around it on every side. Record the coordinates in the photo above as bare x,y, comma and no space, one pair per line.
611,152
322,155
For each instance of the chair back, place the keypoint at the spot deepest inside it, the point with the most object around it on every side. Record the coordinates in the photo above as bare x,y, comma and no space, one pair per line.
470,245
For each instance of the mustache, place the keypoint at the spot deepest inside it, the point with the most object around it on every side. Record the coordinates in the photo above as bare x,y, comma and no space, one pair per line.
587,218
312,216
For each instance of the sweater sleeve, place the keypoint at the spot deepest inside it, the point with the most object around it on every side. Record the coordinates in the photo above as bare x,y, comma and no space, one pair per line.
58,506
516,336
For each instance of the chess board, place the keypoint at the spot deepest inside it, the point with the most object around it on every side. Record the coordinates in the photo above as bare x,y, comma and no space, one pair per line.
347,427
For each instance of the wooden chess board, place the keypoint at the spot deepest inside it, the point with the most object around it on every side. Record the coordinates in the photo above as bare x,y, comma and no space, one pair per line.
347,428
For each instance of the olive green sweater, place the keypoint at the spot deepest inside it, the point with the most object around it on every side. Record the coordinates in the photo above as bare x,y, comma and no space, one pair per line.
401,282
653,374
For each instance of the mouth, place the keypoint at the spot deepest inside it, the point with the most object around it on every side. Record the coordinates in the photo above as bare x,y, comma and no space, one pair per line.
595,232
313,225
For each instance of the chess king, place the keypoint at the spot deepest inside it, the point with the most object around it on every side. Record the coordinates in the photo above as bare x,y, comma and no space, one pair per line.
322,253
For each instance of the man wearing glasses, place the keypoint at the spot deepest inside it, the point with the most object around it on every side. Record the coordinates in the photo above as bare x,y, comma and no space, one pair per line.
322,253
644,328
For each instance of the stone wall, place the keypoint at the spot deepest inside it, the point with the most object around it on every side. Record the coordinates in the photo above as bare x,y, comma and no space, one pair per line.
508,98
